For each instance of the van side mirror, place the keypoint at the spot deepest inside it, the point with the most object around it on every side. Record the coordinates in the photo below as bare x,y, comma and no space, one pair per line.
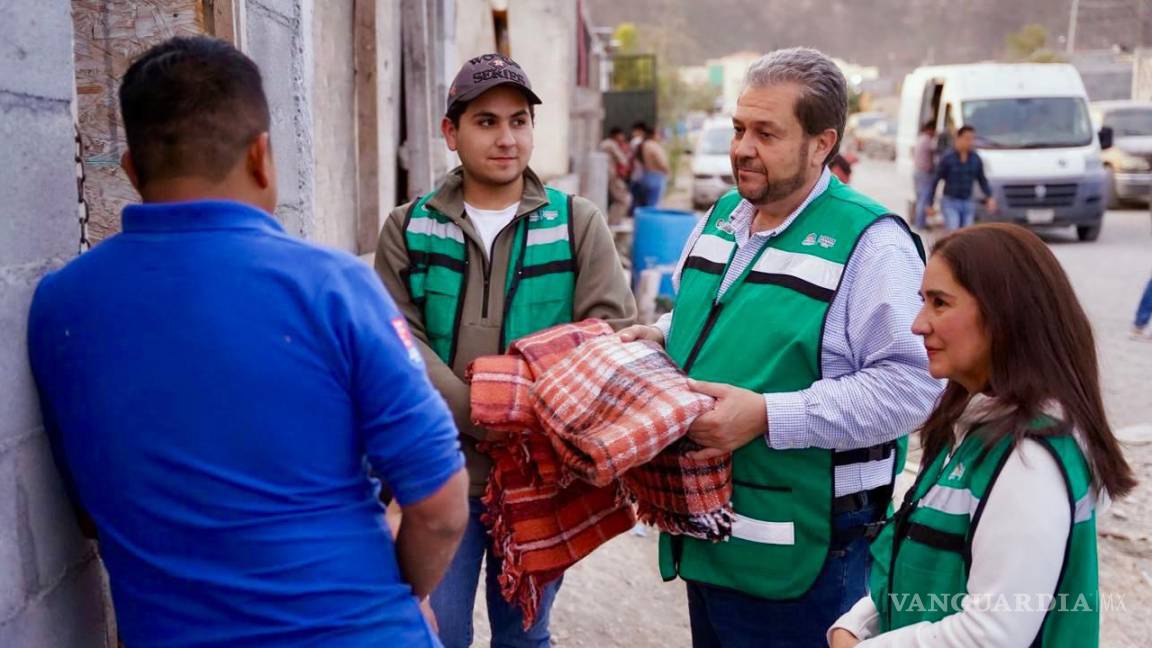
1105,137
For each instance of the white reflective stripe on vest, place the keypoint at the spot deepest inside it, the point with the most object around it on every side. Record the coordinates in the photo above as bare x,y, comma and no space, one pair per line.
954,501
863,476
433,227
777,533
713,248
812,269
549,235
1085,506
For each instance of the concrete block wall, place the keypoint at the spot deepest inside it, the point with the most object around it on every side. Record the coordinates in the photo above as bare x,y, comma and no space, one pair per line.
280,40
52,591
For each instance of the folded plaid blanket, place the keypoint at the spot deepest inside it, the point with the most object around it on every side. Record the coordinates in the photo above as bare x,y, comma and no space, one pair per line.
616,409
500,396
610,406
544,349
539,526
684,496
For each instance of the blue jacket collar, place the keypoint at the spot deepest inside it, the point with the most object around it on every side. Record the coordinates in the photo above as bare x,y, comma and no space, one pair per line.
196,216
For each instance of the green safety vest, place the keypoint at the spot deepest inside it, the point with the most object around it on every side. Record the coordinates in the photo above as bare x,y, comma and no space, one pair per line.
538,287
922,557
765,334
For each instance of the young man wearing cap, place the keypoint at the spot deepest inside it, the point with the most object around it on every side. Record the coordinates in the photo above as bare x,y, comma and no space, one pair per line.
489,256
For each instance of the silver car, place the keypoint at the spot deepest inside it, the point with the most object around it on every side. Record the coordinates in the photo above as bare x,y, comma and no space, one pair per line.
1129,160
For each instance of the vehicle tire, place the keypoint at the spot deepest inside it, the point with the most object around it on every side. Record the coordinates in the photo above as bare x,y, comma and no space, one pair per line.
1114,201
1088,232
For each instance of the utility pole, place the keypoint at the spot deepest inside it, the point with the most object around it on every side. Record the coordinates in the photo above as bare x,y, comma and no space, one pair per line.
1142,9
1073,18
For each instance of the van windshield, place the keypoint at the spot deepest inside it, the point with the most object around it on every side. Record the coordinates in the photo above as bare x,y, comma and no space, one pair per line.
1134,122
1041,122
716,141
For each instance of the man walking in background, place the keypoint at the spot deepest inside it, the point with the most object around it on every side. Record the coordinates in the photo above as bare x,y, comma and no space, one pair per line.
214,390
960,169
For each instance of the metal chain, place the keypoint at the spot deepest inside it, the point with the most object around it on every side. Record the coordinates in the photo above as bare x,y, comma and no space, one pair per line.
82,204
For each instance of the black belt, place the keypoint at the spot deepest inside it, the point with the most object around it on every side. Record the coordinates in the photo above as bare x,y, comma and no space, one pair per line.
856,501
877,497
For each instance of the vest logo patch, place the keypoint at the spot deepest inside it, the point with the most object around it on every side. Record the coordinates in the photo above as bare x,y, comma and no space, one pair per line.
405,335
724,225
826,241
957,472
809,240
545,214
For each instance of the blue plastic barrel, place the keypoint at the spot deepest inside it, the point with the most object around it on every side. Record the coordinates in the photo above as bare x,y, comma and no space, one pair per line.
658,239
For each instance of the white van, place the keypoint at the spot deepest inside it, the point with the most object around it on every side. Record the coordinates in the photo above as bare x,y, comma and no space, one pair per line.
1033,132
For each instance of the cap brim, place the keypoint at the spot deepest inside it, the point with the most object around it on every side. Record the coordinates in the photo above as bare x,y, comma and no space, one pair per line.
472,93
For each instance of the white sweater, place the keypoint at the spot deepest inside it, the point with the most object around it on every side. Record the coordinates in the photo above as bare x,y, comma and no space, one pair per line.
1018,549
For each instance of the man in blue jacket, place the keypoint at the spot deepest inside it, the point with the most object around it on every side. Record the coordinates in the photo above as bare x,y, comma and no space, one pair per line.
961,168
215,392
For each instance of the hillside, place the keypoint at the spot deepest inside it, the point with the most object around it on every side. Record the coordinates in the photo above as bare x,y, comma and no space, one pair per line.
892,34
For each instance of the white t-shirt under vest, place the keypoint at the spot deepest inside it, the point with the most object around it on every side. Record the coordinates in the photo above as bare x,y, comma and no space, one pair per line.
489,222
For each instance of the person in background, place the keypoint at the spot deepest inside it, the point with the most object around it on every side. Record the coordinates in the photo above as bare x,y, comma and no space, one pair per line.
654,164
924,172
636,165
841,168
1017,453
619,197
215,389
1140,330
489,256
960,169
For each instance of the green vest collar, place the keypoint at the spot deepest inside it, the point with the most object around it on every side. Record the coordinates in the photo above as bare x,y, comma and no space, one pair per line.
449,198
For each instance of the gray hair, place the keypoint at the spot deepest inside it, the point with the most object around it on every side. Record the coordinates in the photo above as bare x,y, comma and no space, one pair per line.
823,101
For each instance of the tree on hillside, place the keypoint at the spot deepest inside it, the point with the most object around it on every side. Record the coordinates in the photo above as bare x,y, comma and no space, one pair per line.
1029,45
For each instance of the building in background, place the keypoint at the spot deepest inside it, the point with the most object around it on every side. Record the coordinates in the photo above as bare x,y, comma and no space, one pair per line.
727,73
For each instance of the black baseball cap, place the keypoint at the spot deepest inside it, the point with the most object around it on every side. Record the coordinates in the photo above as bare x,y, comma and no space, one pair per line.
480,74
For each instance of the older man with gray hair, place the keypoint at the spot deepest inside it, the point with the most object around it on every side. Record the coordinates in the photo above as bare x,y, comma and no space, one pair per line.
795,308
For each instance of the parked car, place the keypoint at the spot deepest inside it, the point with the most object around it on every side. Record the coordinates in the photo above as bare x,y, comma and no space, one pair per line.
1129,161
878,140
1040,151
856,124
711,163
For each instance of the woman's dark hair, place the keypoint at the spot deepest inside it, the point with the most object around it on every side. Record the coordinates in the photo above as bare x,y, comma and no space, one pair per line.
1041,347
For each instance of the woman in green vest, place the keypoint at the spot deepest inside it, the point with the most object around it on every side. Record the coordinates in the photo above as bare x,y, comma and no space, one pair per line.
995,543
